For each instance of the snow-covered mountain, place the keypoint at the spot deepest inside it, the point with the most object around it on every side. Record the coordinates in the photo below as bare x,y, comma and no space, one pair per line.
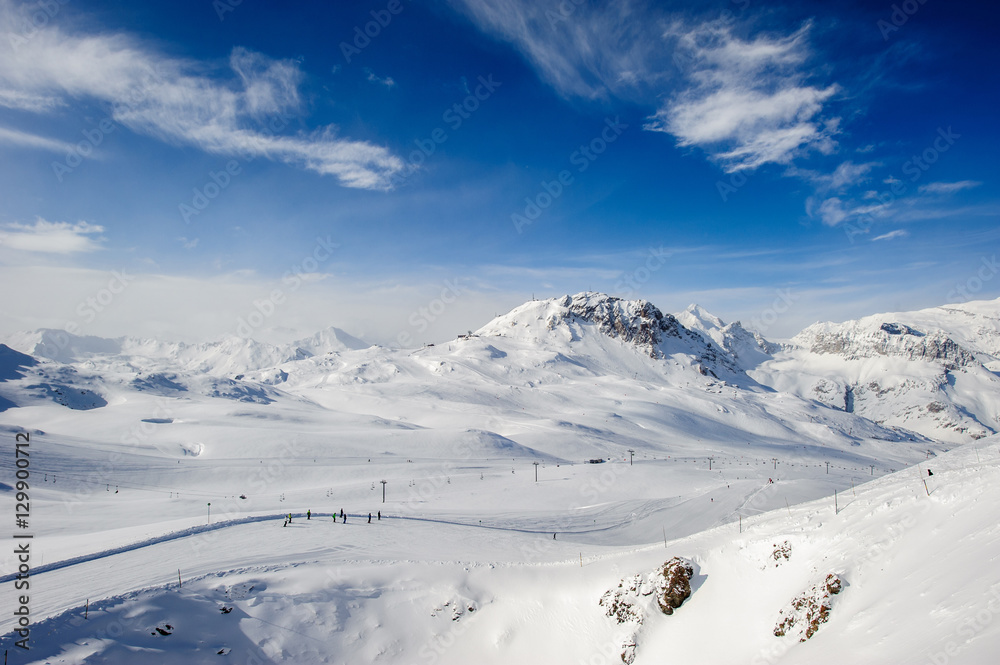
626,367
747,348
224,357
928,371
635,322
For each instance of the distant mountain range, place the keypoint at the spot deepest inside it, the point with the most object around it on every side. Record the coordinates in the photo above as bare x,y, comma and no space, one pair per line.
929,373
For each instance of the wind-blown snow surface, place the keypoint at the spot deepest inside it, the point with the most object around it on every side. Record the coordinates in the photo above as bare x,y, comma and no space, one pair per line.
119,493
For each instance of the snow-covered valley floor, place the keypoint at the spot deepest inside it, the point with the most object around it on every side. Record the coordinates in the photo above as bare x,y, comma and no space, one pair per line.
469,571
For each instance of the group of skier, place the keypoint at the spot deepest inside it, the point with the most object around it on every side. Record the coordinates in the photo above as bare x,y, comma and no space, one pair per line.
343,517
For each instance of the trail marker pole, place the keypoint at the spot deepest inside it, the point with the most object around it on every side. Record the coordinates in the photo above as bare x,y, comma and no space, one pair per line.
664,537
775,460
179,584
581,559
86,611
788,508
209,512
836,508
383,488
536,471
630,453
741,524
828,467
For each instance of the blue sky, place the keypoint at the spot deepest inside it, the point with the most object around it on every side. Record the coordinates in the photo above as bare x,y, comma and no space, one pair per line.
776,163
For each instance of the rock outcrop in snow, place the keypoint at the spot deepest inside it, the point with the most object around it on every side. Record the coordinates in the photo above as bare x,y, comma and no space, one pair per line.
630,602
673,584
807,612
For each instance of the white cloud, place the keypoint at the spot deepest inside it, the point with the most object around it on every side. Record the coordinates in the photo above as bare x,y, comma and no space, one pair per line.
173,100
892,235
833,211
848,174
26,140
749,103
948,187
51,237
387,81
26,101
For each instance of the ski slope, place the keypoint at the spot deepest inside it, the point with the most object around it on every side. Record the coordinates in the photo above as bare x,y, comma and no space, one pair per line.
920,573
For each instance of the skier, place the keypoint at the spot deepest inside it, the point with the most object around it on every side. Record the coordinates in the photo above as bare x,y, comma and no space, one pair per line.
342,516
289,518
929,472
369,518
309,514
553,536
380,516
334,516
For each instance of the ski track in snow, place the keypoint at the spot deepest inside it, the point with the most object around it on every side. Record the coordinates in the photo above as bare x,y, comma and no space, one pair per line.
197,530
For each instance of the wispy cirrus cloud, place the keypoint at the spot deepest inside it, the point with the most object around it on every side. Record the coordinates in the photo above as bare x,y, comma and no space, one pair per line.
835,210
174,100
745,101
51,237
20,100
948,187
892,235
28,140
585,50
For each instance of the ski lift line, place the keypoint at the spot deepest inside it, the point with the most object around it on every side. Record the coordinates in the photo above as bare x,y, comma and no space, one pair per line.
162,489
84,478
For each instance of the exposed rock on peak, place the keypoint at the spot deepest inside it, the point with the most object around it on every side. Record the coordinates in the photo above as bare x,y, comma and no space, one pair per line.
858,339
